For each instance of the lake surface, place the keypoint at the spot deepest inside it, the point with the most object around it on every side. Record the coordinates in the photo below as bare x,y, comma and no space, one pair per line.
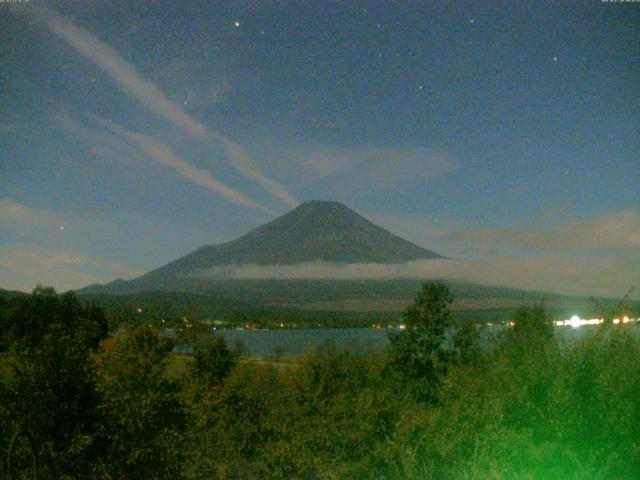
297,341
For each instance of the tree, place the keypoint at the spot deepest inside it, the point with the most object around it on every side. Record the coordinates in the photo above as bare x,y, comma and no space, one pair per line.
532,330
213,359
531,357
52,401
30,318
466,341
418,352
142,419
50,387
609,312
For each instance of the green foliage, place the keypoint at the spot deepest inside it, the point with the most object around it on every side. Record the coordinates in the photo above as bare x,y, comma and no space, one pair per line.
327,417
50,382
28,318
52,385
348,411
531,329
213,359
466,341
232,423
418,352
142,419
525,409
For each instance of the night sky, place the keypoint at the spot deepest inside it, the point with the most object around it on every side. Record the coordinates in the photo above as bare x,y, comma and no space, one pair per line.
505,135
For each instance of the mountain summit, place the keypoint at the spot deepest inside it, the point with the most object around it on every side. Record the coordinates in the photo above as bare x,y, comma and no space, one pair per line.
313,231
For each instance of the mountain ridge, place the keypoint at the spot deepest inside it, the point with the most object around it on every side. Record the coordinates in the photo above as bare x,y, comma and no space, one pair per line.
315,230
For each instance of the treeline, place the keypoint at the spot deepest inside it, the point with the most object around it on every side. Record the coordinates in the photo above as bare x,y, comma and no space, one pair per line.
163,308
76,402
275,302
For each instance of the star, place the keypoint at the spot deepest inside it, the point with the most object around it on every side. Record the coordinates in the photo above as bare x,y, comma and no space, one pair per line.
555,59
472,20
236,24
419,87
61,227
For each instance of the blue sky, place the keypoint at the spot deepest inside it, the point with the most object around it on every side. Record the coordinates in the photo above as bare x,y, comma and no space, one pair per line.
503,135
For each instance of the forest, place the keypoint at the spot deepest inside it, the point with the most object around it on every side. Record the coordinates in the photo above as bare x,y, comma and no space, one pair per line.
80,398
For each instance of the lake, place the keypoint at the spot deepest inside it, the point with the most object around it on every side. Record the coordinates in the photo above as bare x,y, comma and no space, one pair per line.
297,341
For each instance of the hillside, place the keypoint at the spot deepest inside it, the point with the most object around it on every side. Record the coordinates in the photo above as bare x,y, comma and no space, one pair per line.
151,306
313,231
333,303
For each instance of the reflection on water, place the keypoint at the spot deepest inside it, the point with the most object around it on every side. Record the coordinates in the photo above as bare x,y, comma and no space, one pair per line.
297,341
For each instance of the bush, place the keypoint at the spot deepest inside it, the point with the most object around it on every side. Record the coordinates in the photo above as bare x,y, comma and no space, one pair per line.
142,420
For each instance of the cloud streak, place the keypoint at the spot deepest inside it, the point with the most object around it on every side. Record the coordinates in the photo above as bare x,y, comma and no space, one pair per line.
14,212
599,256
163,155
382,167
149,94
23,267
615,231
27,222
578,276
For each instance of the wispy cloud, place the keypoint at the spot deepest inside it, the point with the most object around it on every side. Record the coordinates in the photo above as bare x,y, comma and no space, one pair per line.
88,239
240,161
386,167
615,231
100,140
579,276
162,154
424,234
28,223
599,256
149,94
12,212
24,266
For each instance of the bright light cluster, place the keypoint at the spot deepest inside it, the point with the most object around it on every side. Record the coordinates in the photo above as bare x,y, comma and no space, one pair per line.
576,321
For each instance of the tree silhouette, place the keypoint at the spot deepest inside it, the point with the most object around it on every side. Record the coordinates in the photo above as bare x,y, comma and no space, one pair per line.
50,388
418,351
213,359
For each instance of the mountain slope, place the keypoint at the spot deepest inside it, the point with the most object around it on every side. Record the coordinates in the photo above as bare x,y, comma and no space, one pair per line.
313,231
